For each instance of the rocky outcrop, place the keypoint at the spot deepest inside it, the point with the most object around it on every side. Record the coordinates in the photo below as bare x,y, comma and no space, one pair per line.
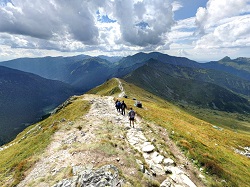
245,151
158,164
107,175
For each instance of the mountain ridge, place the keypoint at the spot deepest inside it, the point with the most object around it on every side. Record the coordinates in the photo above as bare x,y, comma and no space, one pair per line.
98,138
85,72
60,68
162,80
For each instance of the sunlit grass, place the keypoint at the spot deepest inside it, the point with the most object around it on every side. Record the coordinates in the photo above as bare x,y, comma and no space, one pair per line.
108,88
20,157
208,147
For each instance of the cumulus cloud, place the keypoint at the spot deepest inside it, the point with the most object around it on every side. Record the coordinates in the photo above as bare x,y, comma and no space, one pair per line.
157,14
183,29
177,5
74,25
47,20
224,23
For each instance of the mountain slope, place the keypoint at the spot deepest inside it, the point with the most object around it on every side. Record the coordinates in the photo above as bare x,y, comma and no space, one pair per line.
74,70
239,67
227,73
89,73
25,98
141,58
206,144
87,134
220,78
54,68
130,63
82,72
175,84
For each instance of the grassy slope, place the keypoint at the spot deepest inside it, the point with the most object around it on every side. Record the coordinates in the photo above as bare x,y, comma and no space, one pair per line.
199,96
239,63
174,87
19,158
208,147
27,146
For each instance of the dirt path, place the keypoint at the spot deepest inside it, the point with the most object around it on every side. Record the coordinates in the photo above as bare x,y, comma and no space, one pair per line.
61,154
121,88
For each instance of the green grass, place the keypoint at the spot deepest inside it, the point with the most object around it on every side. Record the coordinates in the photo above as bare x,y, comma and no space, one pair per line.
108,88
20,157
233,121
105,148
207,147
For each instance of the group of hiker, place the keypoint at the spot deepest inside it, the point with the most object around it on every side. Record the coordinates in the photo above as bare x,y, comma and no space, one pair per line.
121,106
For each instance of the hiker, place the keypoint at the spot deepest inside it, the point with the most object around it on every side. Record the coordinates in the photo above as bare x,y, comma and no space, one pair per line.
123,107
118,105
131,115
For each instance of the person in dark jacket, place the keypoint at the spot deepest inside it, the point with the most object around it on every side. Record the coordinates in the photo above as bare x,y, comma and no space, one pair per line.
131,115
118,105
123,107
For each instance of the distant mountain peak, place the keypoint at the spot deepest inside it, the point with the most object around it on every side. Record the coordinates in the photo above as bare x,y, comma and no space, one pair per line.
226,59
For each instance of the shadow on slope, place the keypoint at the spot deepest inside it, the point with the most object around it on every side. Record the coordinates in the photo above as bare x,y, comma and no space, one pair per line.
180,85
25,98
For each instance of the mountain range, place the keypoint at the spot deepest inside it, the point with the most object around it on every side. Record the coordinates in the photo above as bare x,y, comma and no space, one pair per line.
25,98
222,85
195,86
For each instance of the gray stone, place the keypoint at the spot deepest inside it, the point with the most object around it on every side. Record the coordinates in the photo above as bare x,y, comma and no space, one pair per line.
166,183
157,158
107,175
168,162
148,148
179,177
127,128
159,170
83,133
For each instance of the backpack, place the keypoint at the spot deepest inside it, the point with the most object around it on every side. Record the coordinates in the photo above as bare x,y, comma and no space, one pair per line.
118,104
131,113
123,105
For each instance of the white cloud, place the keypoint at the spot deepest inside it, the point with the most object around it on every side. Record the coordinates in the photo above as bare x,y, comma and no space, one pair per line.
156,13
224,23
177,5
73,25
46,20
219,10
182,30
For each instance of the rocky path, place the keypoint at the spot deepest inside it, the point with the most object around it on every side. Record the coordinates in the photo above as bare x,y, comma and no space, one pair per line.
57,157
121,88
103,109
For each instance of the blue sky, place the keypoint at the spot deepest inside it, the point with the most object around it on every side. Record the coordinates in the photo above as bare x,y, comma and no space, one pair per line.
201,30
189,8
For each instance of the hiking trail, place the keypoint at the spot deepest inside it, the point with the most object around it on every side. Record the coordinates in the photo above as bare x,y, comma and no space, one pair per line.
60,154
